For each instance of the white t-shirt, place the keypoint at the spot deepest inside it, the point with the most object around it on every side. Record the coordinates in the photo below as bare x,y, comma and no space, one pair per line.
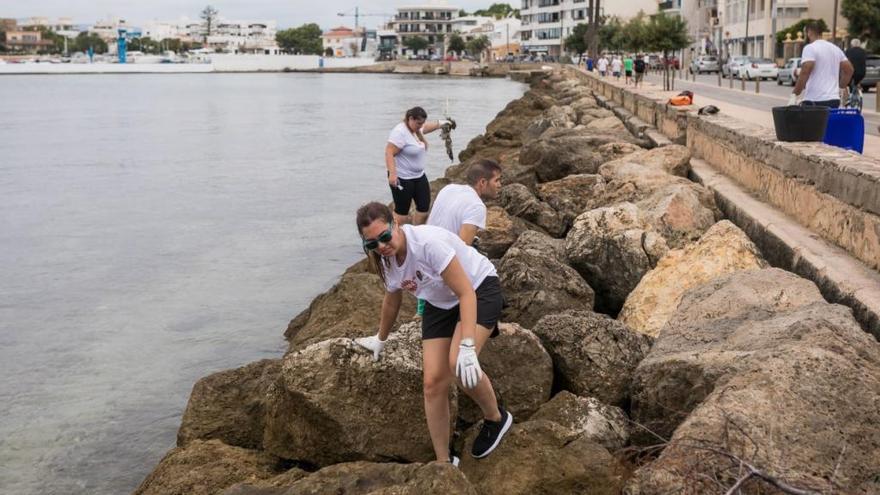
602,64
429,250
615,65
413,156
456,205
824,81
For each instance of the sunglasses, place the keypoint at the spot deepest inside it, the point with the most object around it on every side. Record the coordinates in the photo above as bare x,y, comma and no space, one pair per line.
384,238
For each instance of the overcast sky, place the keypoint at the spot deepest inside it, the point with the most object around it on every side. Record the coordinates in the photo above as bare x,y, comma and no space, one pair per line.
288,13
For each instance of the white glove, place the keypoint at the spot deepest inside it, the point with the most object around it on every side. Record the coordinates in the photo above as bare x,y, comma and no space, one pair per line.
468,367
445,122
372,344
792,100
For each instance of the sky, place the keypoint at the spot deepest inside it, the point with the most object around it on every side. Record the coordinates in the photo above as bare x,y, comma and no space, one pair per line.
290,13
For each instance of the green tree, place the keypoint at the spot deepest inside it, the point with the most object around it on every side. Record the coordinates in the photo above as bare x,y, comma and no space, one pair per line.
57,40
145,45
611,35
798,27
456,44
577,40
864,20
498,11
305,40
209,15
415,43
635,33
666,34
85,40
476,46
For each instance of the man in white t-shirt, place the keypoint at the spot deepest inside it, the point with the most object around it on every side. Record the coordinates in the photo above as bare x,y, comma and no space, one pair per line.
616,66
825,71
459,208
602,65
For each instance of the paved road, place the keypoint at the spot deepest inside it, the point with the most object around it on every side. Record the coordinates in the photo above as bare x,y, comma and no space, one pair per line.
771,95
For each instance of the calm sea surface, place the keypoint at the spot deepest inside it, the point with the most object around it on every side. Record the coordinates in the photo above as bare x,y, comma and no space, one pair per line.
157,228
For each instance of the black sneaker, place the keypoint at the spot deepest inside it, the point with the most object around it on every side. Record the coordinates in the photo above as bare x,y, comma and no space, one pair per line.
491,434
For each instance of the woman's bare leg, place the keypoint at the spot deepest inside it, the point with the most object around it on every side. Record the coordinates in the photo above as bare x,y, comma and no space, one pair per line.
483,394
436,379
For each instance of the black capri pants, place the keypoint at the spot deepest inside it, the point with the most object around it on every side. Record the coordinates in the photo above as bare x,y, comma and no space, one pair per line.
418,190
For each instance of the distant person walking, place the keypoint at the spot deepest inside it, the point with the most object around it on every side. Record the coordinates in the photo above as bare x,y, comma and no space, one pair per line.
463,304
616,65
825,71
602,65
406,155
628,68
589,64
859,60
639,67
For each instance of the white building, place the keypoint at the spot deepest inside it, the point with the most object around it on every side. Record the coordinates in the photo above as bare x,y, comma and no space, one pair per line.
242,36
546,23
432,21
468,23
165,30
343,41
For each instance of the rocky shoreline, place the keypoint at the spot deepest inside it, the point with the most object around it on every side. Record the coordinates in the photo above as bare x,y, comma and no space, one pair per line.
663,354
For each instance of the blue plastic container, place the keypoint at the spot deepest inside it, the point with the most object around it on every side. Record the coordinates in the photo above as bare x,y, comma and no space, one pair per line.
846,129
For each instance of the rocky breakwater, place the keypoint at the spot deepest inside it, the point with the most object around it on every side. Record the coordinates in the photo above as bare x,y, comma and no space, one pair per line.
647,348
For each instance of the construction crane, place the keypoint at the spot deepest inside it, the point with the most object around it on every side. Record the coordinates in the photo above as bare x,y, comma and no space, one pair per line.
357,15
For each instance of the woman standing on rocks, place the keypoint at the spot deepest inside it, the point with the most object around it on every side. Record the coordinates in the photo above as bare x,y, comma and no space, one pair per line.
406,154
463,305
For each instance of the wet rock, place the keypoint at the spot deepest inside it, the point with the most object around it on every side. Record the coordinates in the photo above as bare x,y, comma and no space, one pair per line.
572,195
205,468
593,355
522,389
723,249
561,152
230,406
333,404
542,457
366,478
520,202
351,308
588,417
612,248
537,281
502,230
756,364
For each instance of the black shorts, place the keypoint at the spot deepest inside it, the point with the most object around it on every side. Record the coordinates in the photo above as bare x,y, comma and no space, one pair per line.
629,73
440,323
418,190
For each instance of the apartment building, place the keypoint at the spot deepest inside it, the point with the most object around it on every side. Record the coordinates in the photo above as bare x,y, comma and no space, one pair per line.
432,21
546,23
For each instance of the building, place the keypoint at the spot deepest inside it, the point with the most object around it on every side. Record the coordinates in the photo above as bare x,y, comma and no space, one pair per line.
735,36
26,41
546,23
242,36
432,21
165,30
343,41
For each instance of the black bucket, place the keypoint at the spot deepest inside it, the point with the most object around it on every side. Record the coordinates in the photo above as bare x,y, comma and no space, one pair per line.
797,123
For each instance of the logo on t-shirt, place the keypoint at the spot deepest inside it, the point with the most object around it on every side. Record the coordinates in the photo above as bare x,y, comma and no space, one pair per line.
419,275
409,285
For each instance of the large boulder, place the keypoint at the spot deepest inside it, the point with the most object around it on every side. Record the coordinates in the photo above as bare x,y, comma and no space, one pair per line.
608,125
573,195
537,281
206,468
561,152
553,117
723,249
502,230
520,202
522,389
333,404
369,478
542,457
593,355
673,159
612,248
230,406
756,365
680,212
606,425
350,308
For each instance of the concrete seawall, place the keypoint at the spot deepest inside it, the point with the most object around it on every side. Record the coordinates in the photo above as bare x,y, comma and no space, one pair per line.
813,209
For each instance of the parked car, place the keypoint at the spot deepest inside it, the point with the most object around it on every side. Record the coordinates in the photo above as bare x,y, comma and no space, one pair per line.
789,72
731,68
654,62
872,74
759,68
672,62
703,64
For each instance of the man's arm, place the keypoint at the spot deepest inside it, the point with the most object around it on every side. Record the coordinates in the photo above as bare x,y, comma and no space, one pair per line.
846,73
467,233
806,69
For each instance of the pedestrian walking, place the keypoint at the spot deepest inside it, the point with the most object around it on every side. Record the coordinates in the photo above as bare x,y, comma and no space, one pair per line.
463,304
406,155
859,60
589,64
602,65
639,67
616,66
628,68
825,72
